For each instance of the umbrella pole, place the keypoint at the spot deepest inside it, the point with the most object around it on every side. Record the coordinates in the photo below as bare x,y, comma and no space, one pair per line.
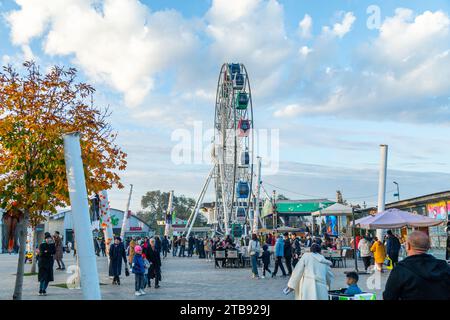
354,241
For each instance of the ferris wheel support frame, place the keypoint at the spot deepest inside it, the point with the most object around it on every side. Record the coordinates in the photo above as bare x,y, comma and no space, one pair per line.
196,209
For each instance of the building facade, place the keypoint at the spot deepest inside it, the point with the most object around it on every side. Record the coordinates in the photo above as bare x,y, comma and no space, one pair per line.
435,205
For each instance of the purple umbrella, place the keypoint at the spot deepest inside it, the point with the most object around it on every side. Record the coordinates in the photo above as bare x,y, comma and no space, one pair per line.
396,219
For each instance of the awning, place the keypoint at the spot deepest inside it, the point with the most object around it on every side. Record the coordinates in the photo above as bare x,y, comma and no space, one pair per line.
336,209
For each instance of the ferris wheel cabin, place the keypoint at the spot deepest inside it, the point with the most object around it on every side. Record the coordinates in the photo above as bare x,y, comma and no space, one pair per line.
242,101
243,189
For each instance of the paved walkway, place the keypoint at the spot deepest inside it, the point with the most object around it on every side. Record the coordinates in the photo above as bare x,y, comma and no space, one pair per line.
183,278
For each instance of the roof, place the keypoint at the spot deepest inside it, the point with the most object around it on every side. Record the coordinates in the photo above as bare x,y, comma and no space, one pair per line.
420,200
336,209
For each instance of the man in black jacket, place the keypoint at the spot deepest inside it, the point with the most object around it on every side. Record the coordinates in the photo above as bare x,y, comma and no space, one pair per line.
191,242
392,247
420,276
288,253
296,249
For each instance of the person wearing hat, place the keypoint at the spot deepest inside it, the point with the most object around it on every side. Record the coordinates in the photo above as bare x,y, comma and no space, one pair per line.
116,255
138,268
45,263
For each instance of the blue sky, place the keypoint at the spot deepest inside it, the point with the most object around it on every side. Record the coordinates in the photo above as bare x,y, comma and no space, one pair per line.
333,87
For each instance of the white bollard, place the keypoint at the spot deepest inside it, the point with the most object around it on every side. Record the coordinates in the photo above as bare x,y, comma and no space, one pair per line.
80,213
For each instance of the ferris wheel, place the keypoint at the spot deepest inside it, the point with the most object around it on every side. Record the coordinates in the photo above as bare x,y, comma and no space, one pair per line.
232,153
233,147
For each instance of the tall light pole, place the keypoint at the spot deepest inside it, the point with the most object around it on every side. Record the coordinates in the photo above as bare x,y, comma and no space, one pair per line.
398,191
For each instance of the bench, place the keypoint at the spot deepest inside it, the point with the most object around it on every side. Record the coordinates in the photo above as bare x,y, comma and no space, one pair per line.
220,255
232,258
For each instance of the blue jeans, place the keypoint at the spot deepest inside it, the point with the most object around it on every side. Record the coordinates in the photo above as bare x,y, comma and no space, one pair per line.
138,281
43,285
254,260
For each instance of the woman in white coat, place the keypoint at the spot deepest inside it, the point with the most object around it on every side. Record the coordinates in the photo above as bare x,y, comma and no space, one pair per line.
312,276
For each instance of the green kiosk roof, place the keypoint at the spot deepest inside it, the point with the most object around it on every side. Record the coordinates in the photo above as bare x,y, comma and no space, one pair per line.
301,207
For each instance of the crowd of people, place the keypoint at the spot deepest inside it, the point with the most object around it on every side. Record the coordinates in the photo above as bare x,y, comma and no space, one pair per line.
144,259
201,246
140,255
418,276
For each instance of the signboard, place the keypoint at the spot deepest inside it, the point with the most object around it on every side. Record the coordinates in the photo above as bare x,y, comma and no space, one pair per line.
293,207
438,210
331,225
161,222
135,229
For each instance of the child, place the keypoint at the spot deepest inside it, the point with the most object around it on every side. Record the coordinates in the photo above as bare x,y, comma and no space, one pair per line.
266,260
138,269
352,282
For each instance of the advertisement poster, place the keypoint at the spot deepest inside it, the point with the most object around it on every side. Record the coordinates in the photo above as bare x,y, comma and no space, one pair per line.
331,225
438,210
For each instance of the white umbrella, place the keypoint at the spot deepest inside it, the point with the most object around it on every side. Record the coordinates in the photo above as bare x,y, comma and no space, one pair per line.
336,209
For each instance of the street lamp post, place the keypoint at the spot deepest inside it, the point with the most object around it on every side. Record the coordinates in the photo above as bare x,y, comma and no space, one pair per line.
398,191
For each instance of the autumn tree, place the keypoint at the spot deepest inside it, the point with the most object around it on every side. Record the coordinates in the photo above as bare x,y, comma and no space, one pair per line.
35,111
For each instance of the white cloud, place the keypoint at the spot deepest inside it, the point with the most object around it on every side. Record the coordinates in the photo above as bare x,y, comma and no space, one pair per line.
305,50
251,32
288,111
402,73
120,42
305,26
405,38
6,59
341,29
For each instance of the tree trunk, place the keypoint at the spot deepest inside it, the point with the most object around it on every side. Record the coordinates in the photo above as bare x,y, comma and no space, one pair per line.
33,248
21,261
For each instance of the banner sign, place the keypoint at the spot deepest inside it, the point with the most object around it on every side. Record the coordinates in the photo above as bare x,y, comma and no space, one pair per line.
438,210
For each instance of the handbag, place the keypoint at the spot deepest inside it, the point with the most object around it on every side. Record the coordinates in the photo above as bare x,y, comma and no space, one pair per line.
388,263
127,272
146,264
